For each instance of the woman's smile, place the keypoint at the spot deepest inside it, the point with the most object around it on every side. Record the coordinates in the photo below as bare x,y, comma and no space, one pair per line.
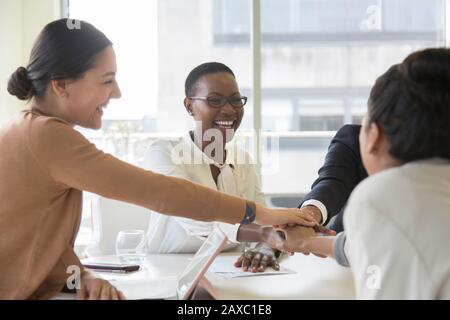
100,108
224,124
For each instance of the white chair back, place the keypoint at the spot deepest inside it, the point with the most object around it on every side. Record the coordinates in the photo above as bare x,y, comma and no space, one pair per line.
108,218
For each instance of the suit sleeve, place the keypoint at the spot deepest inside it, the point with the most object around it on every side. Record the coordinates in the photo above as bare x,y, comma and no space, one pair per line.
340,173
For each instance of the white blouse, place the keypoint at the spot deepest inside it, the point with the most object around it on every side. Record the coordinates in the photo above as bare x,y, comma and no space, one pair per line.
183,159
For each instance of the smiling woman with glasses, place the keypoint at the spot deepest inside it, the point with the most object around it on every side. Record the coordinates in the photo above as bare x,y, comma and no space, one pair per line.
214,102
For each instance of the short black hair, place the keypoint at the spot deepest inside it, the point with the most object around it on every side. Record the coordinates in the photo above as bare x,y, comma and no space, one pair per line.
411,104
190,84
64,49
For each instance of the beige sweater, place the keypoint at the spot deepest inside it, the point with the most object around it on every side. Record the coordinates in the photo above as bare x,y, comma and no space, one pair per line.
44,165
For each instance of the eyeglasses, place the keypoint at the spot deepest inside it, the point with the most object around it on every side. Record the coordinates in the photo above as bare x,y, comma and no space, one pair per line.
219,102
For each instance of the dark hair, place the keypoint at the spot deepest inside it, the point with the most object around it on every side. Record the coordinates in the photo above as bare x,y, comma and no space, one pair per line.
411,103
65,49
206,68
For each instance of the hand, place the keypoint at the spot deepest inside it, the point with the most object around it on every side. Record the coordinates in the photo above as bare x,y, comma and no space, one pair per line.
324,231
93,288
283,216
314,212
273,238
258,259
295,238
317,228
320,246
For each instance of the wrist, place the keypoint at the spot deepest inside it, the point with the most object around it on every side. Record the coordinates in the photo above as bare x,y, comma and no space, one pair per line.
273,238
260,212
320,245
266,233
315,212
250,233
250,213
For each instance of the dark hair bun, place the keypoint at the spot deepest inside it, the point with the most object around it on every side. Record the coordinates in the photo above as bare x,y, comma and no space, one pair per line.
430,67
19,85
411,102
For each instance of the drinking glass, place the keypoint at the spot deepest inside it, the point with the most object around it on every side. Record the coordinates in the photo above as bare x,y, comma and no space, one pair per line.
130,246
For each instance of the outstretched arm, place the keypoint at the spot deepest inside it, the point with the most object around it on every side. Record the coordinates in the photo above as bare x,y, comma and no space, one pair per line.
73,162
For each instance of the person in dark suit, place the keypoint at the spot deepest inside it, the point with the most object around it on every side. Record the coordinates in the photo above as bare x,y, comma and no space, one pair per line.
342,171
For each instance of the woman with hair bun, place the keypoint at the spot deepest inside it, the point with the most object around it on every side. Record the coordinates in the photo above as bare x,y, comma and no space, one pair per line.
397,221
45,164
19,84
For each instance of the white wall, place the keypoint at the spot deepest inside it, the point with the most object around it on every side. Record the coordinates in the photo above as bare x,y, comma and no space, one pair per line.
20,23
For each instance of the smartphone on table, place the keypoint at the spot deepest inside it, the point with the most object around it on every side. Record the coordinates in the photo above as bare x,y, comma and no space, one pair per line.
112,267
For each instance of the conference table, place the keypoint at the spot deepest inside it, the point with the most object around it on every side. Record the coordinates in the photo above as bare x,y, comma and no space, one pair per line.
314,278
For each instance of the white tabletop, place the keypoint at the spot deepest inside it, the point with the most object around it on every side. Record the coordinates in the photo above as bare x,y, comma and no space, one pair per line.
315,278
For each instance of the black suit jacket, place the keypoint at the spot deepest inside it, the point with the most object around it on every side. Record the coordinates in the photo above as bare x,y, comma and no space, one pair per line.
341,172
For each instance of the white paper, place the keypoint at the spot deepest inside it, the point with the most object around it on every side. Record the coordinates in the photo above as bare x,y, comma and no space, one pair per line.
223,266
157,288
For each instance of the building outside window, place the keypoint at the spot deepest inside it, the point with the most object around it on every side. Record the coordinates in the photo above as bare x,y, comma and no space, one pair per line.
319,61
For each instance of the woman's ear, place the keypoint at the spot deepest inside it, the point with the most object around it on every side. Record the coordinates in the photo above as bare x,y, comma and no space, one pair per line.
59,88
188,105
374,138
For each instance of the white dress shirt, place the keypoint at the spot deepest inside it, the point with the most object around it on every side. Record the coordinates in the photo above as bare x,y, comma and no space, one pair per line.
398,232
182,158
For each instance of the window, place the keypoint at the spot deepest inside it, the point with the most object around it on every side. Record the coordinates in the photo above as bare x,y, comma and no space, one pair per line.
156,44
305,21
319,61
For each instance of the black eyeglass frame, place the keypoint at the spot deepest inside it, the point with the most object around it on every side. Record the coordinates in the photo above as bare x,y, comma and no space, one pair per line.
224,101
